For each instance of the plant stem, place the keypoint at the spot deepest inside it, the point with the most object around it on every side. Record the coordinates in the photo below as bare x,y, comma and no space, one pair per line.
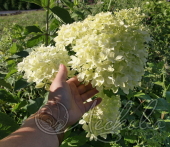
109,5
47,24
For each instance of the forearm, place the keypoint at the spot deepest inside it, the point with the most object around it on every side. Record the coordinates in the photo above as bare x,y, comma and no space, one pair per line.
29,135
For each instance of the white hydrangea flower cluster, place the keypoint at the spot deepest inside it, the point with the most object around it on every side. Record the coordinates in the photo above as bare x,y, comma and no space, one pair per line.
42,64
110,49
103,119
109,52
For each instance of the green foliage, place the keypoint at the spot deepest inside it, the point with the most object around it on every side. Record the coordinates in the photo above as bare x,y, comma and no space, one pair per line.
158,19
7,125
145,110
16,5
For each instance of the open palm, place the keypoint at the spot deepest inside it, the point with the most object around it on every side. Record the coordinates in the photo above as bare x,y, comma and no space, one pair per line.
72,95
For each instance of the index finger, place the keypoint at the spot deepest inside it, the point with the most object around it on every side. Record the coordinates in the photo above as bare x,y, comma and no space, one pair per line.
74,80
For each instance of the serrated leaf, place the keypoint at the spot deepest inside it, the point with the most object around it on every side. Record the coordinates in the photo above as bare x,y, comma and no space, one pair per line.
31,29
6,96
63,14
7,125
13,48
35,40
5,84
21,83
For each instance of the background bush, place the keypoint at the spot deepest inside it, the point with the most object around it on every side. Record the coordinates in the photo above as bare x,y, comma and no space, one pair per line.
17,5
145,125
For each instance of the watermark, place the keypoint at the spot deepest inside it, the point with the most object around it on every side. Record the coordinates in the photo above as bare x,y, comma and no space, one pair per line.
107,127
51,125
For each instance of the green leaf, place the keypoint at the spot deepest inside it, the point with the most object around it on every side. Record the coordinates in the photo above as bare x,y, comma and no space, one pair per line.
34,105
78,14
159,104
52,3
35,40
159,83
13,48
120,92
63,14
142,96
168,96
44,3
31,29
2,76
68,3
77,140
150,64
7,125
11,64
22,54
6,96
38,2
153,95
130,138
130,95
19,105
11,73
5,84
109,93
21,83
54,26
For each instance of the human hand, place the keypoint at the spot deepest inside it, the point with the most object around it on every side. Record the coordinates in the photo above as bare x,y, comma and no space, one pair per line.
72,95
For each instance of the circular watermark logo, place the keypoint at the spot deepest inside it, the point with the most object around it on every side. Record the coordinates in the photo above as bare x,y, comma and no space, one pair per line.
50,124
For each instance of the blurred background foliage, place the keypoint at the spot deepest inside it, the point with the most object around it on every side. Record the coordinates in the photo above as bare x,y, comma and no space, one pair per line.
17,5
145,110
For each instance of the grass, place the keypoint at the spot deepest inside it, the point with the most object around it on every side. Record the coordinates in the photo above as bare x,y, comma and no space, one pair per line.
23,19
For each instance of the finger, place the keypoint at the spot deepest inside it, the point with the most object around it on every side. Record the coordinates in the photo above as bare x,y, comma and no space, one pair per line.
83,88
62,74
88,94
74,80
92,104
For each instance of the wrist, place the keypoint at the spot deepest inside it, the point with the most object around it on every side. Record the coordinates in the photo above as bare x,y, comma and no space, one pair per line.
58,111
42,128
46,123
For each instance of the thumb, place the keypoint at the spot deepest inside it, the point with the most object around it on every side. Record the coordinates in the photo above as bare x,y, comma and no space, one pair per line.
62,74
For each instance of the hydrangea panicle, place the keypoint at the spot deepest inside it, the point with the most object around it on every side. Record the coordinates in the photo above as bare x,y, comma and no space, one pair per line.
110,49
42,64
103,119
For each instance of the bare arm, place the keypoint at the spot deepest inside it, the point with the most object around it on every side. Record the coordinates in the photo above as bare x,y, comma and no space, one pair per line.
65,106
